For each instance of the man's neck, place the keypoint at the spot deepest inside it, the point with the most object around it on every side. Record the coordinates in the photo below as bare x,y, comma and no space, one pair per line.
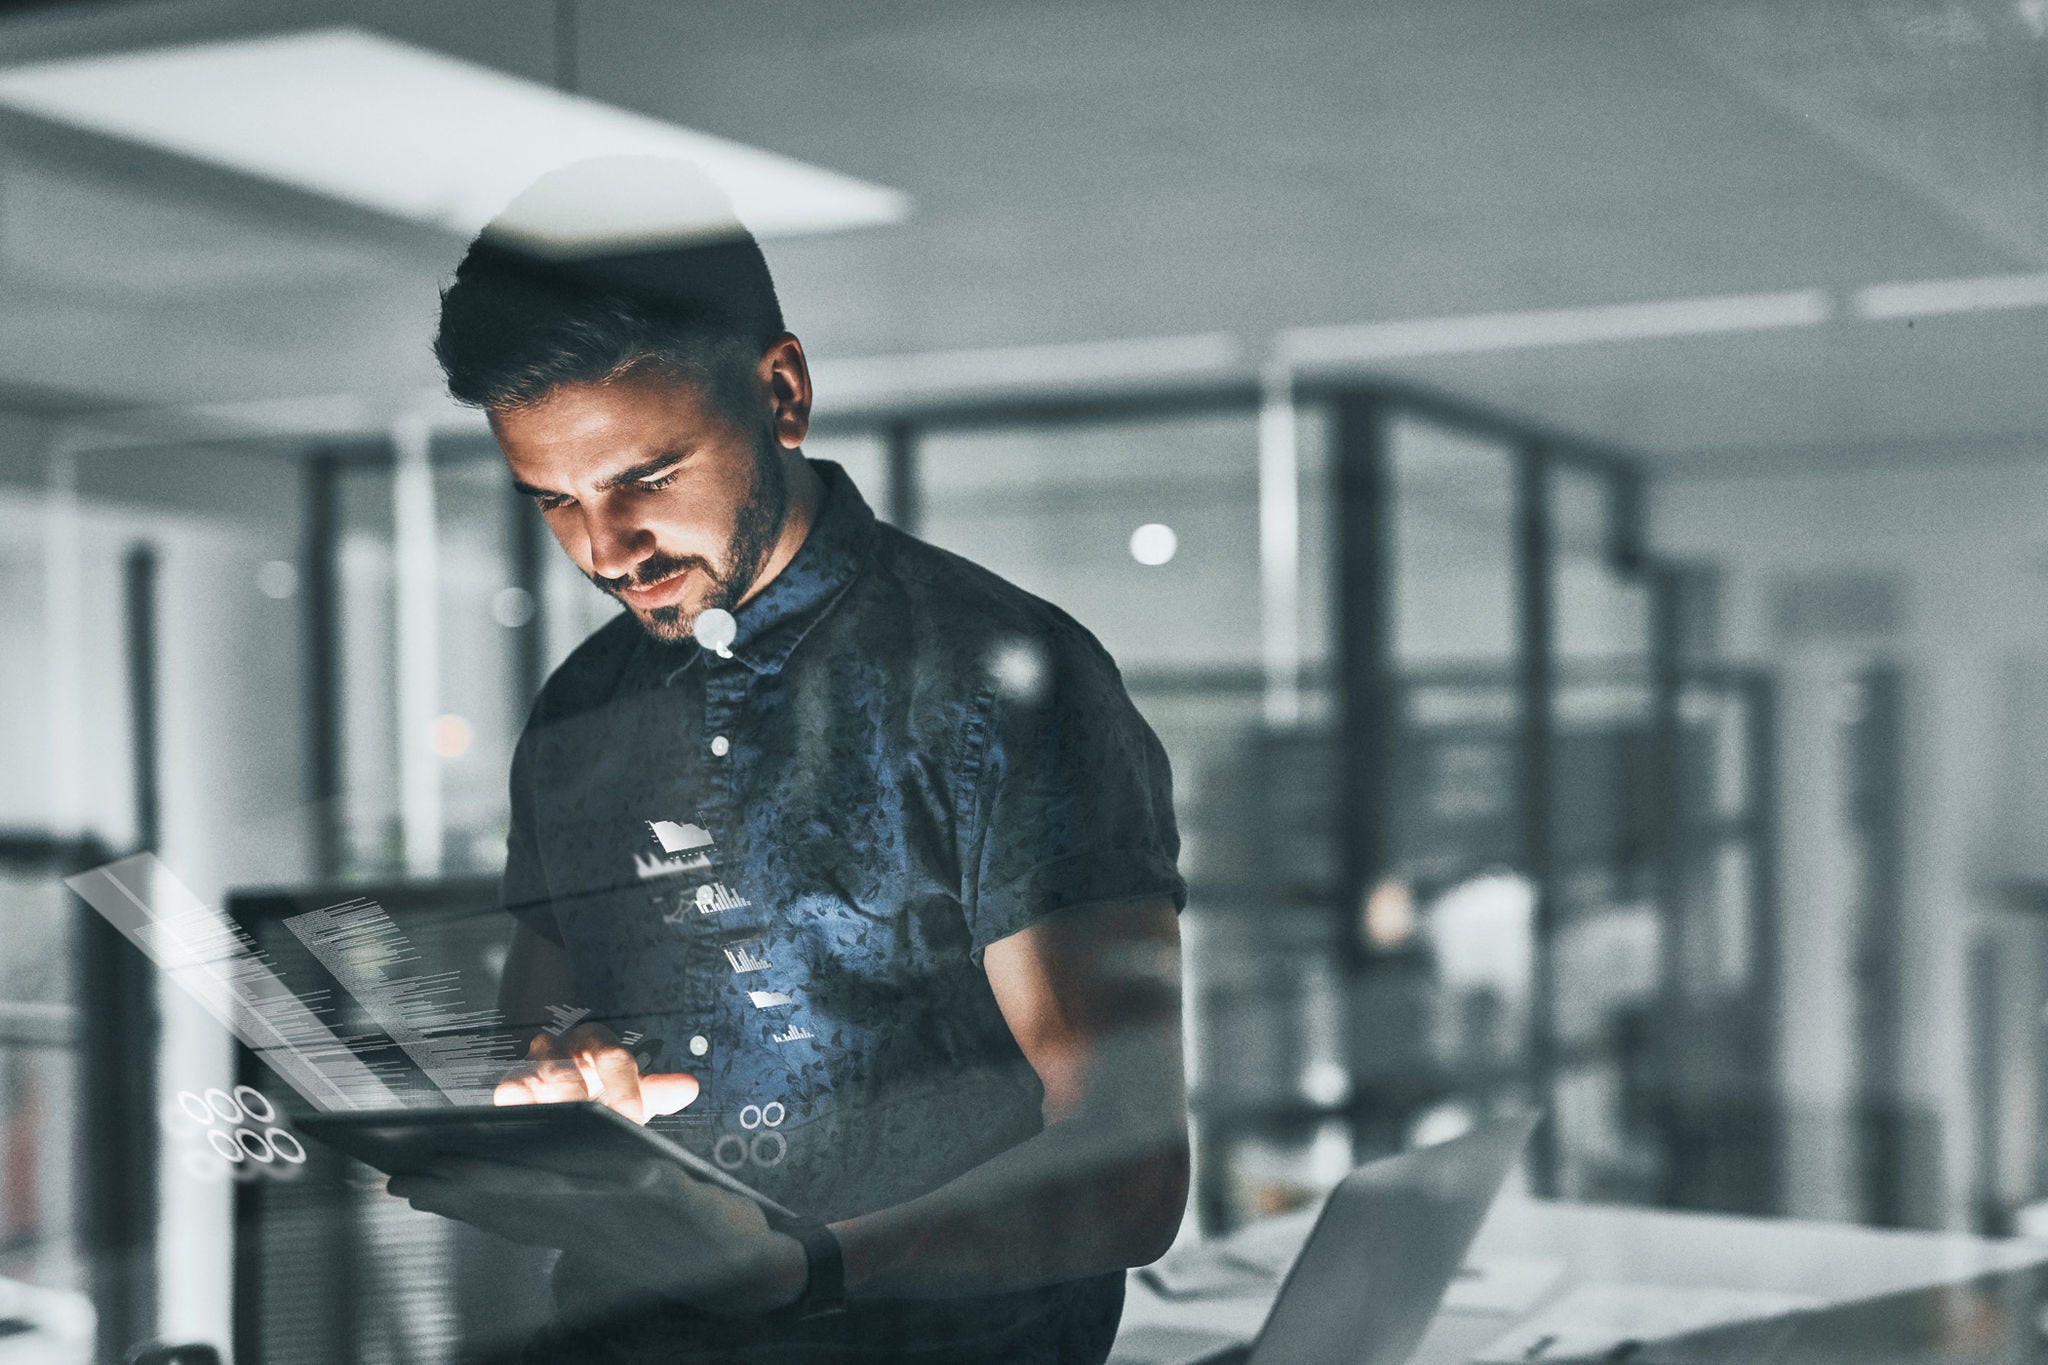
806,494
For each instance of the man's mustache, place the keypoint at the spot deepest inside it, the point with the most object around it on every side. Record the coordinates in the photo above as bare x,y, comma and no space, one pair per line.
649,572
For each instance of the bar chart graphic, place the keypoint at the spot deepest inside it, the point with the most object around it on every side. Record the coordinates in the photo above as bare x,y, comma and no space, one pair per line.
744,959
715,897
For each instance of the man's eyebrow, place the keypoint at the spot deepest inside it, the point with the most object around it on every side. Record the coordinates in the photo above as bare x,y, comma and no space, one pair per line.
618,480
641,470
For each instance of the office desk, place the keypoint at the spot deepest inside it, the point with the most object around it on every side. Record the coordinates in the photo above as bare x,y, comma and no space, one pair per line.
1597,1244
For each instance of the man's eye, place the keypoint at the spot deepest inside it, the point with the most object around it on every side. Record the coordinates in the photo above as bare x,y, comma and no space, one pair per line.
654,484
549,502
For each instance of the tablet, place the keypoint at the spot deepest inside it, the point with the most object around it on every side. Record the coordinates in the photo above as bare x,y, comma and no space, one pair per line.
572,1137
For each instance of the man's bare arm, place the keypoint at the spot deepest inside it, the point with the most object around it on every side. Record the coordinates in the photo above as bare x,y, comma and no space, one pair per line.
1092,995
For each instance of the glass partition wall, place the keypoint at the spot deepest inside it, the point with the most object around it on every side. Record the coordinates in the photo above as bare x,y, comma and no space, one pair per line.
1454,809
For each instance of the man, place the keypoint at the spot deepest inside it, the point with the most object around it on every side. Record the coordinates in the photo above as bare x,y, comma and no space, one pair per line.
882,898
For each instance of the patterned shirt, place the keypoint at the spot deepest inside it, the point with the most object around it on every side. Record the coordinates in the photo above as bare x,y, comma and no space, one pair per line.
778,871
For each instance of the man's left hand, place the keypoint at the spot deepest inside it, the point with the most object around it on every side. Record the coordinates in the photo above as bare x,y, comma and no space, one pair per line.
660,1231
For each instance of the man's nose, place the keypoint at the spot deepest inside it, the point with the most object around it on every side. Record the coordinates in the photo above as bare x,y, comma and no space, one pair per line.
617,543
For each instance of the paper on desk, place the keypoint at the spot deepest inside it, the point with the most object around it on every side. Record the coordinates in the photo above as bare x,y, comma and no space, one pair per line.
1596,1318
1502,1284
1203,1269
1273,1244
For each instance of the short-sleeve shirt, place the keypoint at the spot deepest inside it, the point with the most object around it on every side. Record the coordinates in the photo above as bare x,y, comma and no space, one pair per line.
778,871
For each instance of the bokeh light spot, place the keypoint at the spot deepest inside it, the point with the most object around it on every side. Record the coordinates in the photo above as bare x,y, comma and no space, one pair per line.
1154,544
451,736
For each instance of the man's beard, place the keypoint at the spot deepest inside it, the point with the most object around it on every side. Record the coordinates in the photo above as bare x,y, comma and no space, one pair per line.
754,534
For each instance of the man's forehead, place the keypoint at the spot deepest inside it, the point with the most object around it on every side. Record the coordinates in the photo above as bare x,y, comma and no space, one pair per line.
597,430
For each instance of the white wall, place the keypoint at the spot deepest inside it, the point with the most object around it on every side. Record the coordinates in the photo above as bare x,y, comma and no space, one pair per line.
1968,544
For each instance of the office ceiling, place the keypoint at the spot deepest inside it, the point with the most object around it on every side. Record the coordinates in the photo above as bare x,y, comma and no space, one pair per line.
1088,171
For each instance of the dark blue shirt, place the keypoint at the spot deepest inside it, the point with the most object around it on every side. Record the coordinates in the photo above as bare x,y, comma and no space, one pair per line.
779,871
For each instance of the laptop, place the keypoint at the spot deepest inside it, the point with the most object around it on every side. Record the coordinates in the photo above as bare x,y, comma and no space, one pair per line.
1374,1270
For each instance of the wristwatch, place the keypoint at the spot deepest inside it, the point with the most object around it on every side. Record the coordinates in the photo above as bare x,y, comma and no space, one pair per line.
825,1264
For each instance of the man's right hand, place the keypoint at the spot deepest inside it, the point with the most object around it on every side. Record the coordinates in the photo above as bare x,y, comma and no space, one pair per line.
589,1062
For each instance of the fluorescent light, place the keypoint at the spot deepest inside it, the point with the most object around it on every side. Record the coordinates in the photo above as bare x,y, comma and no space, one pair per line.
1072,366
1472,333
421,136
1932,298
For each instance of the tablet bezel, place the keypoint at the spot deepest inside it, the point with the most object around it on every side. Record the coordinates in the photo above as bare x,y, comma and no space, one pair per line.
428,1134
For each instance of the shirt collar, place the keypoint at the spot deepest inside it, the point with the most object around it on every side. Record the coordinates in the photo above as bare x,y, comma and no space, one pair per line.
775,622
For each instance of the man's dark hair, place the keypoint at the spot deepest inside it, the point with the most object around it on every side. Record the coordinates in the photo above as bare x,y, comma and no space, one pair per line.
516,323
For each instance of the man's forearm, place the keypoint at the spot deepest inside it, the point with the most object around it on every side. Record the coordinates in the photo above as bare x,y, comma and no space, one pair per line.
1084,1196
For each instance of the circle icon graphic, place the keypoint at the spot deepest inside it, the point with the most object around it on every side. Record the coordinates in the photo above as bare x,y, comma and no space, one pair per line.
195,1108
256,1145
715,629
738,1157
255,1103
288,1148
229,1149
751,1116
223,1105
773,1113
776,1141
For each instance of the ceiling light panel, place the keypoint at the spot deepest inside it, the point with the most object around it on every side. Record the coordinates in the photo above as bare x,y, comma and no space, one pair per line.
420,136
1933,298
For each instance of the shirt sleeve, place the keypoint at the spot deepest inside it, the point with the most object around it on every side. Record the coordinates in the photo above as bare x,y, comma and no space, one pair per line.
523,890
1073,798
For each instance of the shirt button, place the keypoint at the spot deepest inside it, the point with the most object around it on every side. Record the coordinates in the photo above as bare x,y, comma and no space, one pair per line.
699,1045
720,745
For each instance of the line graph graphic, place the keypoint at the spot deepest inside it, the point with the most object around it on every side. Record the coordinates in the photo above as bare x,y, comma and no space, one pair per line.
647,867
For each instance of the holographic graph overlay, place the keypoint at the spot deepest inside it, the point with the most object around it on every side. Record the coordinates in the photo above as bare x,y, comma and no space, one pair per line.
746,957
685,848
717,897
218,965
462,1051
562,1018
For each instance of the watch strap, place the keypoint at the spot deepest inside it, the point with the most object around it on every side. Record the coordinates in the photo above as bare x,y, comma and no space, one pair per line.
825,1282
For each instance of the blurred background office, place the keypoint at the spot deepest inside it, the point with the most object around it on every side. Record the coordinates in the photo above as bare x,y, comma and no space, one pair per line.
1567,480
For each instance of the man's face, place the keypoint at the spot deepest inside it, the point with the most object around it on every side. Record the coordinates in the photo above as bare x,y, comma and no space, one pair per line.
661,498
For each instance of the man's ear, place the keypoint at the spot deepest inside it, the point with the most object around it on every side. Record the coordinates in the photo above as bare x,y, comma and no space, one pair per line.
787,377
